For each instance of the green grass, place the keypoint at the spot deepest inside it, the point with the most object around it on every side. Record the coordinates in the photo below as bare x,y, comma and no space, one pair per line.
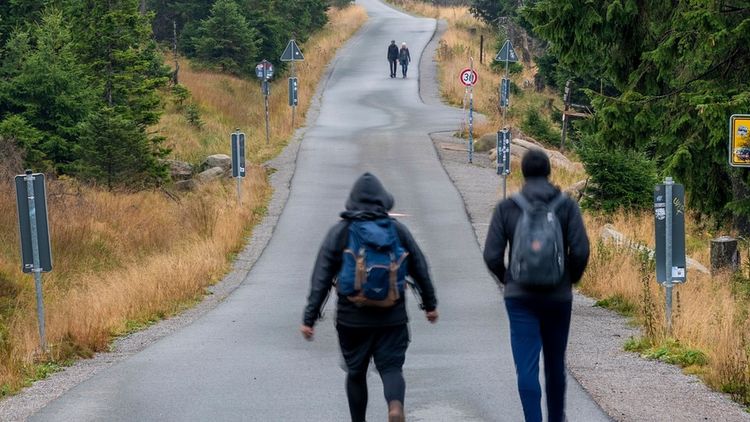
618,304
670,351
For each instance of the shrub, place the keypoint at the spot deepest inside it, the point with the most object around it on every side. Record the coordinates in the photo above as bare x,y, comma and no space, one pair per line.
536,126
619,178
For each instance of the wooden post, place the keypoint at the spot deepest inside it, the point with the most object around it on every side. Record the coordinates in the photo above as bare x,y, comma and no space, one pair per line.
725,255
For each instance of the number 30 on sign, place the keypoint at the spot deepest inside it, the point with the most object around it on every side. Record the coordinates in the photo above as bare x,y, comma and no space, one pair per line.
469,77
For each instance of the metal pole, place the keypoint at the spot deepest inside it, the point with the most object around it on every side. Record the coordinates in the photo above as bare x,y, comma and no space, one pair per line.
265,95
37,270
668,182
239,171
471,113
294,106
505,109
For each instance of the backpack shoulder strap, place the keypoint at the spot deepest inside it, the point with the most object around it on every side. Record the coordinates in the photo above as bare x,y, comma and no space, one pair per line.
559,199
522,202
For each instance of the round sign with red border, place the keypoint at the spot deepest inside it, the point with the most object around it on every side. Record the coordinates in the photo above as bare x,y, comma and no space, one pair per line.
469,77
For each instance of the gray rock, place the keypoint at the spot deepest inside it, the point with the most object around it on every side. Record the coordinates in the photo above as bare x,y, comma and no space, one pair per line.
179,170
218,160
186,185
211,174
485,143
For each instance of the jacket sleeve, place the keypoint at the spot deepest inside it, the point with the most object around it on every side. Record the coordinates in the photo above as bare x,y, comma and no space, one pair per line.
578,243
327,265
418,268
494,246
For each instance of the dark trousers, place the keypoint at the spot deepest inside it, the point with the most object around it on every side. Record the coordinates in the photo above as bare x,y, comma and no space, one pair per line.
393,67
404,68
387,347
539,325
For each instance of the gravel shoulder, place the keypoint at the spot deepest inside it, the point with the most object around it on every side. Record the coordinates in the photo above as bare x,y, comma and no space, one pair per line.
626,386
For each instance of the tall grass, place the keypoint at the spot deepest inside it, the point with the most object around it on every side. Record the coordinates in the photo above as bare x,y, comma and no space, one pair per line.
240,102
710,314
124,259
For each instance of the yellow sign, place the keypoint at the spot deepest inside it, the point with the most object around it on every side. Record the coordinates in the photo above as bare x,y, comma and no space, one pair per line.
739,140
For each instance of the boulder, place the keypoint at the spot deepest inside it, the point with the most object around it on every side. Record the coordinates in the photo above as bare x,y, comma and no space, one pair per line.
218,160
518,148
609,233
211,174
485,143
179,170
186,185
576,190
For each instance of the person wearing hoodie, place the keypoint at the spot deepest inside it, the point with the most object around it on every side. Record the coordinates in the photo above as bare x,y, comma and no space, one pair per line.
380,333
539,319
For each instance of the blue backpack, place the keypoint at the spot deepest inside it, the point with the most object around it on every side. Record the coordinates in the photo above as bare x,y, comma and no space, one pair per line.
373,271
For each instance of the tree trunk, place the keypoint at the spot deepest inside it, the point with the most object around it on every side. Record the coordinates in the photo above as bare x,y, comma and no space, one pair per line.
725,255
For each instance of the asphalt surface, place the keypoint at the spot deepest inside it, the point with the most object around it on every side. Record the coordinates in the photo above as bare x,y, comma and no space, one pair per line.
245,359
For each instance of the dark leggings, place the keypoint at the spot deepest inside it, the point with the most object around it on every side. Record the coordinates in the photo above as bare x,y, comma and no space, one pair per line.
394,388
387,347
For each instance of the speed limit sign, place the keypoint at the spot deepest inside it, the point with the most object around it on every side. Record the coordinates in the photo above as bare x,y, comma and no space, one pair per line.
469,77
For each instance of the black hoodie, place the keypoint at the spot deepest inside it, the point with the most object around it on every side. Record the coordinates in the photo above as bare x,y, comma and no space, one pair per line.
368,201
503,225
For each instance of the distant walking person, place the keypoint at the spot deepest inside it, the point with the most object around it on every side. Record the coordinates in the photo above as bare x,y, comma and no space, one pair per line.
393,57
404,58
369,254
549,251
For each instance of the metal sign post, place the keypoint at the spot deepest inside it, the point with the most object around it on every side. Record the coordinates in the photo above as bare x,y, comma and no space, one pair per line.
292,53
469,78
237,140
264,72
36,252
669,214
503,156
508,55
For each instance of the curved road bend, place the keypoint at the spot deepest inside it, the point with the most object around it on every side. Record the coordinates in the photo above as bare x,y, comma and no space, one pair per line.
245,360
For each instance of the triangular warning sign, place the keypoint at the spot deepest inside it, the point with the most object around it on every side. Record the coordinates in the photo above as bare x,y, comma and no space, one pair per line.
292,52
507,53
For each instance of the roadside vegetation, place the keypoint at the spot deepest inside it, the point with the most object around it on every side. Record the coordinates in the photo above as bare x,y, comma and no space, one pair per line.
129,254
711,315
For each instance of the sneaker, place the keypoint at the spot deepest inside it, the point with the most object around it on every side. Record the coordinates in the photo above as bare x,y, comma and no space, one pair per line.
396,412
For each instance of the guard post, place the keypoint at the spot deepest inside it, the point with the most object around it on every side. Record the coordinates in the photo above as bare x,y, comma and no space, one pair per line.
33,225
237,140
264,72
292,53
503,156
669,227
508,55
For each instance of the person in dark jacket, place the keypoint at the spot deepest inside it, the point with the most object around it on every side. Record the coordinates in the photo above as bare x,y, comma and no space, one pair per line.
393,57
404,58
369,332
539,319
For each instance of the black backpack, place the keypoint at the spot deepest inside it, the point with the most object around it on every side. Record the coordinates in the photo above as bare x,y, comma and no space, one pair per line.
538,257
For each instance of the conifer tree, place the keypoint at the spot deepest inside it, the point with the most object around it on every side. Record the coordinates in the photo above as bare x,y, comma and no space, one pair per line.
225,39
115,39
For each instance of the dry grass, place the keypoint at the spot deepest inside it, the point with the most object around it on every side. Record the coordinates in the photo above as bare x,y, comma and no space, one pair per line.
709,314
122,260
240,102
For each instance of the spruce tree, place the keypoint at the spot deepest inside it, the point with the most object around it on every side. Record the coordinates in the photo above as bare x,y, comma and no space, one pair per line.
114,38
225,39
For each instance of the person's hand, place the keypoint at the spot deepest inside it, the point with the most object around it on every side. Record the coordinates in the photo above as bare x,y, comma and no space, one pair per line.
432,316
307,332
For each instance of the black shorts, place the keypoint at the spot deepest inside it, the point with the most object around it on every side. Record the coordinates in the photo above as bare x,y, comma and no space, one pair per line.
385,345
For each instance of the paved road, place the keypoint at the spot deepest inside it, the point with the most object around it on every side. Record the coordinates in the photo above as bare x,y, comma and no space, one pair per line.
245,360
